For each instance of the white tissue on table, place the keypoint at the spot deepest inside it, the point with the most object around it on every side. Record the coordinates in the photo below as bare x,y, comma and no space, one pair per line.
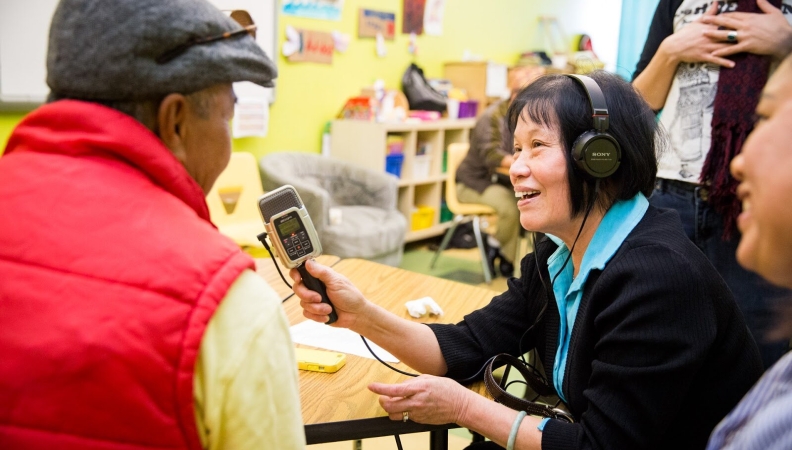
417,308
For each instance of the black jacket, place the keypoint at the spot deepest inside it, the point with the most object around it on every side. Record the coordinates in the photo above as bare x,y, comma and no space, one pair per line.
659,352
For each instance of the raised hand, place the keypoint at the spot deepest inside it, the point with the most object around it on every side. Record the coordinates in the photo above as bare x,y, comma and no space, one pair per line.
766,33
693,44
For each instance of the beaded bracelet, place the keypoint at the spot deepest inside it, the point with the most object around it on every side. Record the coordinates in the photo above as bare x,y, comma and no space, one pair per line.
514,429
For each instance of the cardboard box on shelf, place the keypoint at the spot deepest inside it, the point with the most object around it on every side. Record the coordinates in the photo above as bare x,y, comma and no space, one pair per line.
484,82
358,108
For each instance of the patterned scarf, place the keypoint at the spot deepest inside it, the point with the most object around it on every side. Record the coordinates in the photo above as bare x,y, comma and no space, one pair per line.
732,120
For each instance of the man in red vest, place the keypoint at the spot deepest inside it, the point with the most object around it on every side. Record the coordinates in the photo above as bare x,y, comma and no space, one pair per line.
126,320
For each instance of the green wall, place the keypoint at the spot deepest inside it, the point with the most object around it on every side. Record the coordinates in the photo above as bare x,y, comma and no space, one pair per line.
307,95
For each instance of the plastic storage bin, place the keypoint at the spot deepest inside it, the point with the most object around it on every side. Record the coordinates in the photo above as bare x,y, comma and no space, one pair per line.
422,165
468,109
445,214
395,144
422,217
393,164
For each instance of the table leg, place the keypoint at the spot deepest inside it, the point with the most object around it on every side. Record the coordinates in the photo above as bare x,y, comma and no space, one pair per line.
438,440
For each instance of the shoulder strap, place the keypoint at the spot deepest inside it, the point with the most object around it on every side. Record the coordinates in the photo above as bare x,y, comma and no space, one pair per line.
501,396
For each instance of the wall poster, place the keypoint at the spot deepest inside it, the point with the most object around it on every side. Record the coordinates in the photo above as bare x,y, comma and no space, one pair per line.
314,9
413,16
433,17
371,22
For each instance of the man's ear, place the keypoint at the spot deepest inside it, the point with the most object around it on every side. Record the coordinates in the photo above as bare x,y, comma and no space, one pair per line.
171,117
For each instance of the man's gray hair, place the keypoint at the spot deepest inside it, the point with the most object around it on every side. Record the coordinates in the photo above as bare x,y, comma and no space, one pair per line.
145,111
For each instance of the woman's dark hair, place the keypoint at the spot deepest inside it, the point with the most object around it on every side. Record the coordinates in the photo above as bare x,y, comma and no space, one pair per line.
561,103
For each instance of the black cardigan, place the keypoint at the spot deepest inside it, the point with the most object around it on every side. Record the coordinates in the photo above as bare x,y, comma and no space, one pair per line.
659,352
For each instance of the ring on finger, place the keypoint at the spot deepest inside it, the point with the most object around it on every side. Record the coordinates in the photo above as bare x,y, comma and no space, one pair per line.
405,416
731,36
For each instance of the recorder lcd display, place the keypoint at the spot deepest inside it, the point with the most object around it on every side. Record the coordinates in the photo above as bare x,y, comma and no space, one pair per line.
292,234
289,225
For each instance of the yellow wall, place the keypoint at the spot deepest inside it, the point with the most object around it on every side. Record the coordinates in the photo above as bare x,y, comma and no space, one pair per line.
7,123
307,95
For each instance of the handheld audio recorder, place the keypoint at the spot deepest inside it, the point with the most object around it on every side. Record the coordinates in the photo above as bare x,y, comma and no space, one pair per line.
293,235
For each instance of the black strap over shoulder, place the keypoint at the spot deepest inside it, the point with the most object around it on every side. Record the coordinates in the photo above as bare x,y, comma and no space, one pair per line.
501,396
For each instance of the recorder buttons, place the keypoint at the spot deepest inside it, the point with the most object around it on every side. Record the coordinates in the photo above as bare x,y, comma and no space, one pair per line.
297,245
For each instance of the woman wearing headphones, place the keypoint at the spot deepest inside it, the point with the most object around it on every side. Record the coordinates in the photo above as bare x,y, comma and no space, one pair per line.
637,333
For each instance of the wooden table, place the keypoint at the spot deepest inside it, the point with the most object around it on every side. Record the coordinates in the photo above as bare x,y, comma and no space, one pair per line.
339,407
266,269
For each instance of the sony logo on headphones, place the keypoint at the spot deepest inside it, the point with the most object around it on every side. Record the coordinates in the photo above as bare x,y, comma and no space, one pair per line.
600,154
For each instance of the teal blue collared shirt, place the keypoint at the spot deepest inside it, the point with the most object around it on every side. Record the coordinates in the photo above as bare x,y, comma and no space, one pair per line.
618,222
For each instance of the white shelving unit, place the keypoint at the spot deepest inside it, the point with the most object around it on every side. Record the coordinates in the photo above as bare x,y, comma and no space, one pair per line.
366,144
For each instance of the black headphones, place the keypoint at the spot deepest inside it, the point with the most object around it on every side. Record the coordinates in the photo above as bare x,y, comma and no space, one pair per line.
596,153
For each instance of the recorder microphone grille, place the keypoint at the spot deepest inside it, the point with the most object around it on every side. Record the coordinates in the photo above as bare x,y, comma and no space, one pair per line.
278,202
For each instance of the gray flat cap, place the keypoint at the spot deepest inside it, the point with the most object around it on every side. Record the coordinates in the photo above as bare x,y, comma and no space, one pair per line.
107,49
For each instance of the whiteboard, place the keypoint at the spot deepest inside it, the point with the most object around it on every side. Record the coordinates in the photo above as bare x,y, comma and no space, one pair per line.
24,34
24,31
263,13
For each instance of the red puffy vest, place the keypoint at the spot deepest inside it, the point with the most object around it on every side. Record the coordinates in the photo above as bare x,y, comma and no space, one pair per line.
109,273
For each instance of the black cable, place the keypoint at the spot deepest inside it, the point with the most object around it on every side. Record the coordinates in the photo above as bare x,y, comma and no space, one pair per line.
513,382
582,224
536,259
383,362
262,237
548,292
398,442
538,317
519,343
476,375
544,306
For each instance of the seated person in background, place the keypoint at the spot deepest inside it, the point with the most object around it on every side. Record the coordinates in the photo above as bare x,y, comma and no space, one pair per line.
490,149
763,419
127,319
632,324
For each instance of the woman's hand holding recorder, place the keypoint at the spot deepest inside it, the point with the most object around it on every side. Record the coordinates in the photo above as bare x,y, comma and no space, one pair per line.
348,300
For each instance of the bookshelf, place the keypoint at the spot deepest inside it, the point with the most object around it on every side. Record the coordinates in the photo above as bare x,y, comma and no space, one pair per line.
422,174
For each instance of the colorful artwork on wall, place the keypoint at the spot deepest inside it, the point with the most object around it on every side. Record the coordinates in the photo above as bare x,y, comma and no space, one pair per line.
308,46
433,17
371,22
413,16
314,9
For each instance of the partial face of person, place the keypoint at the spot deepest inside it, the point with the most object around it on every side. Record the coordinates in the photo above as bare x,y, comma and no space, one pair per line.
521,77
539,176
207,137
764,169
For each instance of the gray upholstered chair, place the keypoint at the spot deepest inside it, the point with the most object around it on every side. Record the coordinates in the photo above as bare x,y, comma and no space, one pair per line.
365,223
